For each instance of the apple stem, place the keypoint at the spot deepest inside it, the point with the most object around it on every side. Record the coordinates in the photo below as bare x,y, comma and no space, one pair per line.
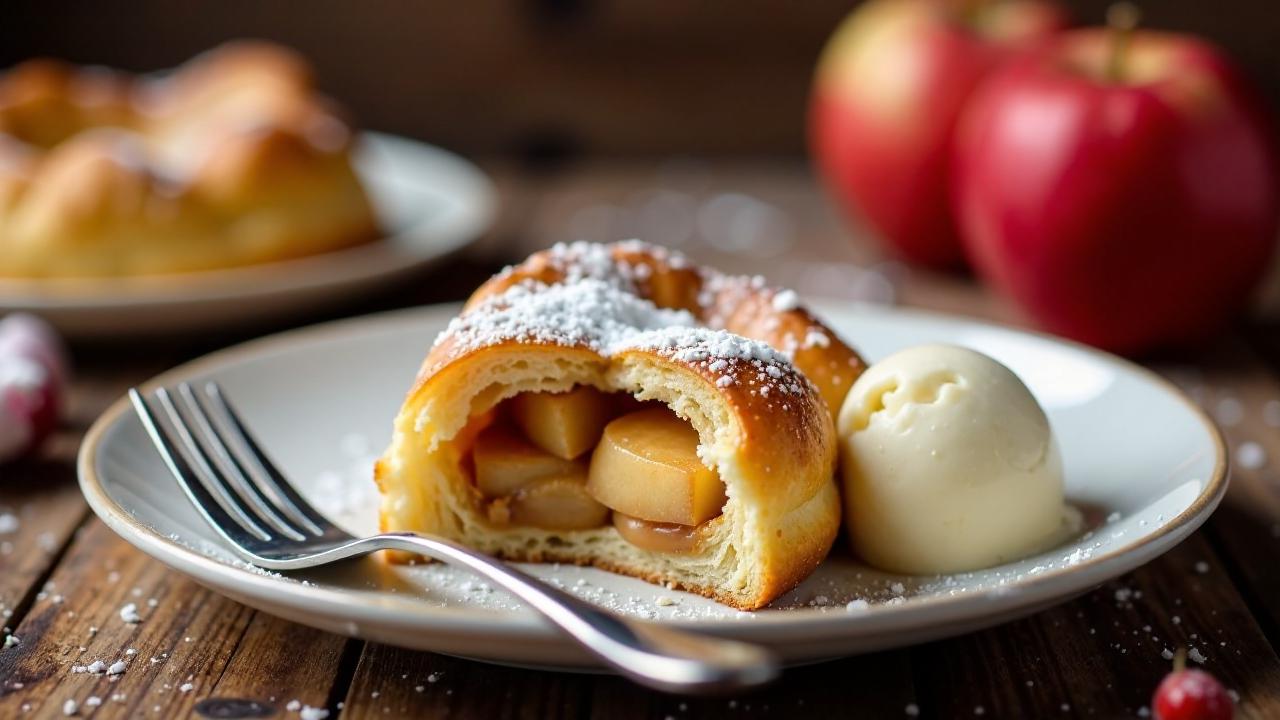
1180,660
1122,18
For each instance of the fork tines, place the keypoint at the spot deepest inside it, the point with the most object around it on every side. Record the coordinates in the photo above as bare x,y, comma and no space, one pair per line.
223,469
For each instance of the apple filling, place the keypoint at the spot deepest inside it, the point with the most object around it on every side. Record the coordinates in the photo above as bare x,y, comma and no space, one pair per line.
569,461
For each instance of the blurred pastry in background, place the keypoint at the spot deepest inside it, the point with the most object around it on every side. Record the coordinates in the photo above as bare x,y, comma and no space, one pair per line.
232,159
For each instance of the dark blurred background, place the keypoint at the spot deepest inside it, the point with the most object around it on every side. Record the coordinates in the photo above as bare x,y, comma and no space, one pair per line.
548,78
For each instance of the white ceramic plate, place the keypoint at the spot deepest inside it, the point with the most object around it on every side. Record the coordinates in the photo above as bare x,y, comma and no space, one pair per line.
1142,461
431,202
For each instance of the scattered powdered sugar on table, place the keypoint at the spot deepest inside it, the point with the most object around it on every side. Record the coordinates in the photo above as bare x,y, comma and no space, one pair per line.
129,614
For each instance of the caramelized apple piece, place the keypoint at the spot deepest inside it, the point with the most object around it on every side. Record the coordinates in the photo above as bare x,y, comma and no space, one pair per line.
647,466
658,537
506,462
564,424
559,503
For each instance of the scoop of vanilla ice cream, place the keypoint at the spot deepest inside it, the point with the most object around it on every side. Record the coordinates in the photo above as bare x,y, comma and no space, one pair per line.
949,464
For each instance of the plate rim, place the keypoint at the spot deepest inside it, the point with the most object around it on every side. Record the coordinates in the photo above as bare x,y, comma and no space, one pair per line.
807,624
260,280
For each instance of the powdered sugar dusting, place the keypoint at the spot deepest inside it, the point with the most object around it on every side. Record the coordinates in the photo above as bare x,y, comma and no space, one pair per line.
786,300
581,260
734,358
589,313
596,306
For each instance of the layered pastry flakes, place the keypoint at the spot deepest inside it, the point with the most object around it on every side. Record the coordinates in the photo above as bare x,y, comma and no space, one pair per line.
232,159
616,406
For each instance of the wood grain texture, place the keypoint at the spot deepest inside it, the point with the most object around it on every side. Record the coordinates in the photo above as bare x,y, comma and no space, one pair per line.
277,662
187,635
403,683
42,495
47,506
190,645
1103,654
1236,386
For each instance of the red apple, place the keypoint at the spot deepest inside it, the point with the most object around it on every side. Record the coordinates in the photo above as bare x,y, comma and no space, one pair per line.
1123,190
888,90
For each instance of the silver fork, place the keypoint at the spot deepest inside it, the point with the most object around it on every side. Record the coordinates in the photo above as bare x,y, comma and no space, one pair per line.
247,500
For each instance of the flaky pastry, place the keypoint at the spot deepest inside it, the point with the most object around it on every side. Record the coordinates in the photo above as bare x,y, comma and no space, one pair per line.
617,406
230,160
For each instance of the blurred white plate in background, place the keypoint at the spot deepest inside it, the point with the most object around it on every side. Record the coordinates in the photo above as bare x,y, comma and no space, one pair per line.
431,202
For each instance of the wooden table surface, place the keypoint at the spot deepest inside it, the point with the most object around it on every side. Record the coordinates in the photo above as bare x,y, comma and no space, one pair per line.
64,576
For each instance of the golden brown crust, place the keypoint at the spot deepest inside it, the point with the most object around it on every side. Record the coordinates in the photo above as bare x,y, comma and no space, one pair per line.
232,159
760,419
741,305
43,102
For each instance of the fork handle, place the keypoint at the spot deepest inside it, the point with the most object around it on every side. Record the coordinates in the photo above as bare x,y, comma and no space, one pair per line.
660,657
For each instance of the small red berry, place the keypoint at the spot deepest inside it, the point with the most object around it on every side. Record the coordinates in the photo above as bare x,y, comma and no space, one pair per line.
1191,695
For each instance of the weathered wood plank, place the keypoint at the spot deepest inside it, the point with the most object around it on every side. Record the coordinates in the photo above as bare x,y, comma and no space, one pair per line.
41,498
1103,654
403,683
877,685
278,662
186,634
1235,385
263,661
40,508
391,682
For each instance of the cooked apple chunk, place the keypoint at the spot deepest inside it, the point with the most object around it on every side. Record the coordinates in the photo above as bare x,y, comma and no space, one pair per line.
506,462
647,466
564,424
559,503
658,537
